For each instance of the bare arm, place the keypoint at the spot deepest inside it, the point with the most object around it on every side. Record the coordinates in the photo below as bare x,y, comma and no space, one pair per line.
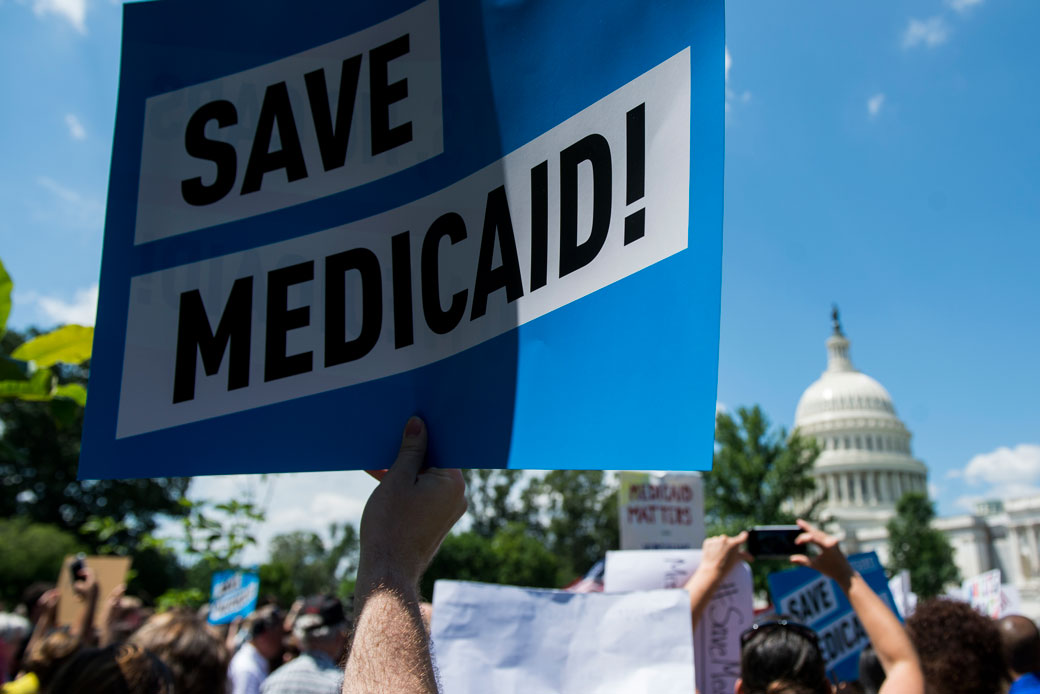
87,589
48,617
891,643
718,557
405,521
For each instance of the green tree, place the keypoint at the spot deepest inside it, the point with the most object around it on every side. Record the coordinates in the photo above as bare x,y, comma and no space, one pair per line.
310,564
760,476
494,498
31,552
576,517
915,546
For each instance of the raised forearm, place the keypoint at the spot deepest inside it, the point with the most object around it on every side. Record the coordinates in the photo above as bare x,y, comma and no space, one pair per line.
390,652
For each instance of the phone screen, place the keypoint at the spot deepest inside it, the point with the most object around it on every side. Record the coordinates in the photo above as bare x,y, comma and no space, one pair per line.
774,541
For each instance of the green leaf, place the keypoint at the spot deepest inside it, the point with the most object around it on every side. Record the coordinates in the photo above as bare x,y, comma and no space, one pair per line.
70,344
15,369
39,387
6,285
73,391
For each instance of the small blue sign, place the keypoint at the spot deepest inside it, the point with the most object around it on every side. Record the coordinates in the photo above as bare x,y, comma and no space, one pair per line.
505,217
233,594
818,602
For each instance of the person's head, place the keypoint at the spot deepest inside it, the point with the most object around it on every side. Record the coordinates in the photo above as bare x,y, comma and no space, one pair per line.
265,631
49,654
31,598
959,648
781,657
1021,642
196,656
322,626
119,669
871,674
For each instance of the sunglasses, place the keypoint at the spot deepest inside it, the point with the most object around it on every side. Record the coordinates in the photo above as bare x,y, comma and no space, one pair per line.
772,625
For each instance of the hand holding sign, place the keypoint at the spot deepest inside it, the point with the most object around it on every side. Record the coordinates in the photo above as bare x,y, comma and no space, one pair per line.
410,512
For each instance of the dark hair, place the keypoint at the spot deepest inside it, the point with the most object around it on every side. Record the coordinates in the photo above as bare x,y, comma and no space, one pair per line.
120,669
196,656
265,618
782,660
1021,643
50,653
958,647
871,674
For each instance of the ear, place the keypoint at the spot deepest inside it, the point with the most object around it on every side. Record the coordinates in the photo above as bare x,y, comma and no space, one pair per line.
738,686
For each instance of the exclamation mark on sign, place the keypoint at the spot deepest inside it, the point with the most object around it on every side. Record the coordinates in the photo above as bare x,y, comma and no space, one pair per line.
635,174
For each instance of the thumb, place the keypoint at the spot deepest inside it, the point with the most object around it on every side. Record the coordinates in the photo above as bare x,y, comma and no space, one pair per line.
412,455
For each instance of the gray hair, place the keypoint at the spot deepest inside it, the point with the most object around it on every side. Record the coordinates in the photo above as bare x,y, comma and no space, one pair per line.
309,629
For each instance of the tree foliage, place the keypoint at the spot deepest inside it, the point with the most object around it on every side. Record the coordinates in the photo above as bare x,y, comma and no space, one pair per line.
915,546
31,552
303,563
760,476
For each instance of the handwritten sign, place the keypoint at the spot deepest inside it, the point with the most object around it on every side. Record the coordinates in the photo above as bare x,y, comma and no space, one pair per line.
340,215
716,641
983,593
660,511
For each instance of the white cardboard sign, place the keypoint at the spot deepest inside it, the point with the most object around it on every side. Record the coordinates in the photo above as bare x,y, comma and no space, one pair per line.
491,638
660,510
728,615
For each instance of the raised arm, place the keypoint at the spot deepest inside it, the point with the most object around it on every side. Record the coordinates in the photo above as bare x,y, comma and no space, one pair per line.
404,522
719,555
86,588
891,643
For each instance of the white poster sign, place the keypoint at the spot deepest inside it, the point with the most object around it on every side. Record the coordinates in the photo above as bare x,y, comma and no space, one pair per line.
983,592
490,638
904,598
717,638
660,510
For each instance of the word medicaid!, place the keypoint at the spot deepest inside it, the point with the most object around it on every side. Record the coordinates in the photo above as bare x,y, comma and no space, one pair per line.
578,208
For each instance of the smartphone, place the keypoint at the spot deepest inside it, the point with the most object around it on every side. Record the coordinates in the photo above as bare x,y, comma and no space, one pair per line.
774,541
77,566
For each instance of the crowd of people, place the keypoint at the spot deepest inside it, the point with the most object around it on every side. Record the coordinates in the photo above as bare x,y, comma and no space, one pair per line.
945,647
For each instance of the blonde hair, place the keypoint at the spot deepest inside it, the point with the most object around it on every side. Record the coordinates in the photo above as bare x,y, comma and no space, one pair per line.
195,654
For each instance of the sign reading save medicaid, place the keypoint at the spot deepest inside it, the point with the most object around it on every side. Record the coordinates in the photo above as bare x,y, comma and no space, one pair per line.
233,594
325,217
810,598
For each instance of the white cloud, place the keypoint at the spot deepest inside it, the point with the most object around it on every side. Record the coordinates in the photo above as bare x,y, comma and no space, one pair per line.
934,491
1005,473
731,95
729,63
76,129
874,104
963,6
81,310
73,206
930,32
73,11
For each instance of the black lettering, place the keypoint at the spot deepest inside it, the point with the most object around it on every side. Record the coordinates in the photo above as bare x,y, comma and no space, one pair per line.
339,350
276,110
441,321
635,171
220,153
333,141
539,224
497,225
401,260
595,150
195,336
382,95
281,319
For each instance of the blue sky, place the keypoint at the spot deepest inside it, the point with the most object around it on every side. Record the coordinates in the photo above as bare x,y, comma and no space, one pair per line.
883,155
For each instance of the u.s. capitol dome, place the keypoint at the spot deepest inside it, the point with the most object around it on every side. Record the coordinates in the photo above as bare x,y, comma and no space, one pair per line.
865,463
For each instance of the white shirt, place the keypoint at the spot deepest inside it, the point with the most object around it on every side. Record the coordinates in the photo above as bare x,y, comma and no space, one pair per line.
248,670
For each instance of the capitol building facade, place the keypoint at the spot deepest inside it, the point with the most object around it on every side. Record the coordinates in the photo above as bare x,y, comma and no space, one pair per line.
866,464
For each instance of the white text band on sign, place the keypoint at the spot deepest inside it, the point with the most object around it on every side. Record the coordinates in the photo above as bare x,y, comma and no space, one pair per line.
424,281
325,120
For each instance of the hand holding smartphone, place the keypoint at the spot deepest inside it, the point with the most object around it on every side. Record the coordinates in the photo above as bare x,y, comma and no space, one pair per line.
774,541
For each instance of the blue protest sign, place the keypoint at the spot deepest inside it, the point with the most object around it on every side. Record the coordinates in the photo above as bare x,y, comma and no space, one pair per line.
818,602
326,217
233,594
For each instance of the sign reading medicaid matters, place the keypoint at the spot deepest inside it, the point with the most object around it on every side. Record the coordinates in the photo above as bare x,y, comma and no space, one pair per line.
818,602
233,594
325,219
660,511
